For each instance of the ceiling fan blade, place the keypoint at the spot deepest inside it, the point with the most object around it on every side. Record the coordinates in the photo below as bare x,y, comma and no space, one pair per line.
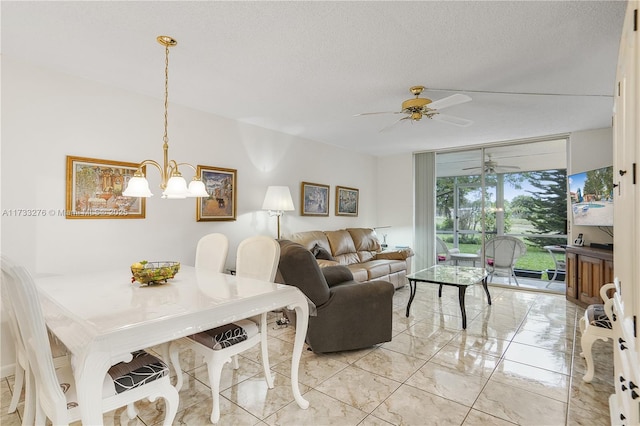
374,113
457,121
452,100
387,128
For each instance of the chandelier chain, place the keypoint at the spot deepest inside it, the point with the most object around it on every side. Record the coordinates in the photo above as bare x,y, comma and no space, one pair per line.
166,92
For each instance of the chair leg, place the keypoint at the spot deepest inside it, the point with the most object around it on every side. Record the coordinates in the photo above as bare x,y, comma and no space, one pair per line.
215,371
586,342
514,277
132,413
30,399
171,401
174,355
17,386
265,350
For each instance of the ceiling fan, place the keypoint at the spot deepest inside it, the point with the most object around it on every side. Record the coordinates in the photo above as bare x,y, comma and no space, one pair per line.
491,166
418,107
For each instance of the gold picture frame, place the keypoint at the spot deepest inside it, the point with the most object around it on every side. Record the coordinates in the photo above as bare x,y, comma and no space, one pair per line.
94,190
314,199
221,186
347,200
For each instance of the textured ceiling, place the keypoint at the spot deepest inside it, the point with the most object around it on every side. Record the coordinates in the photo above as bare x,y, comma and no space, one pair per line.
306,68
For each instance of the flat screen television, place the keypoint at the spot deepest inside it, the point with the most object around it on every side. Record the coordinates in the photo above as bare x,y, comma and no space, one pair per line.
591,195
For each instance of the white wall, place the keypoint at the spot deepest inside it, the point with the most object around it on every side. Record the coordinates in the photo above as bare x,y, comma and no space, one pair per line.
47,116
395,199
588,150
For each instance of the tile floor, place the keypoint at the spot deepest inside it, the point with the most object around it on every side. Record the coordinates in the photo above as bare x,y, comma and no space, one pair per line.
518,362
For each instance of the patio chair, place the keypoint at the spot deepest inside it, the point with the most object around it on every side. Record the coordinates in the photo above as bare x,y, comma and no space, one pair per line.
443,253
501,253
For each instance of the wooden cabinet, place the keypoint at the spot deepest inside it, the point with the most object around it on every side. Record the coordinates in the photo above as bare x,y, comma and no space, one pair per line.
588,269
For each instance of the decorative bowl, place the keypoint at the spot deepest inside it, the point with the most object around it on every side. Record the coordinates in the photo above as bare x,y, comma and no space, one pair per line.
154,272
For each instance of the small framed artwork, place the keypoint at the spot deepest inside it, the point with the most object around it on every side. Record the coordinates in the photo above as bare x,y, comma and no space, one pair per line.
223,193
346,201
315,199
94,190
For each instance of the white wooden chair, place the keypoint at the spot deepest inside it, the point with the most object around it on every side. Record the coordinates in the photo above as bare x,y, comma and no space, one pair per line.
53,390
596,324
257,257
211,252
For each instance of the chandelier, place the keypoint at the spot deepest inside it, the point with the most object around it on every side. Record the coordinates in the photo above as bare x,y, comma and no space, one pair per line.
171,180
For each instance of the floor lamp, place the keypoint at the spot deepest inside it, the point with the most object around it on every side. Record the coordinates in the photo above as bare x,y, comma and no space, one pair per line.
277,201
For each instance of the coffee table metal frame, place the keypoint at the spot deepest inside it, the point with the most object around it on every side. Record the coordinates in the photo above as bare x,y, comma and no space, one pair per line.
457,276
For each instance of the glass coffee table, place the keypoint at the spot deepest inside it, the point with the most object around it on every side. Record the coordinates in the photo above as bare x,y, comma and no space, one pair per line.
458,276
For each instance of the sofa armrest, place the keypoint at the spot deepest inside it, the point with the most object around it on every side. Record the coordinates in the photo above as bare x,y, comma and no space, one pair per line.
348,299
400,254
335,275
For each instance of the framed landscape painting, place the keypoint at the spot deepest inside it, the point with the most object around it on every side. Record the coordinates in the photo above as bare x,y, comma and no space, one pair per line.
346,201
315,199
94,190
223,193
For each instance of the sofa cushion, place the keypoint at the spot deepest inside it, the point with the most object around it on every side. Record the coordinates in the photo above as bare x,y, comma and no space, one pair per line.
309,239
365,242
397,266
376,269
321,253
360,274
342,247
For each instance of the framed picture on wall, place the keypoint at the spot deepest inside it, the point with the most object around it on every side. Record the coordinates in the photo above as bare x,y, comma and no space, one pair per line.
223,193
346,201
94,190
315,199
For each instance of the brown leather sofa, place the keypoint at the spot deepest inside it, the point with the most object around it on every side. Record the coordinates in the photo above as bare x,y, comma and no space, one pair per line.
344,314
359,250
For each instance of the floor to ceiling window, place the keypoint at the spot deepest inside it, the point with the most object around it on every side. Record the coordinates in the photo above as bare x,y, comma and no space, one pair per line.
516,190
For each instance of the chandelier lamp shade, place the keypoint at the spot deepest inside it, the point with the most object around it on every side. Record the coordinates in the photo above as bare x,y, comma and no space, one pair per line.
277,201
171,180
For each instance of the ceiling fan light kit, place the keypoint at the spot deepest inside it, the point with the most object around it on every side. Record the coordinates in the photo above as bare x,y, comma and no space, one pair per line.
418,107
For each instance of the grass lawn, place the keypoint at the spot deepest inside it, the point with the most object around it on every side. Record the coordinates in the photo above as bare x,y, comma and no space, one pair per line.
536,258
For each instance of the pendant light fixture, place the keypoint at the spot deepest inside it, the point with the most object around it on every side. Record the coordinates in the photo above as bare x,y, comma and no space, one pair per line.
171,180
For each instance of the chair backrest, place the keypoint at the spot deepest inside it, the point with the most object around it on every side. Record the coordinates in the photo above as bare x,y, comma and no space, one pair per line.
24,306
300,268
257,257
504,251
211,252
441,247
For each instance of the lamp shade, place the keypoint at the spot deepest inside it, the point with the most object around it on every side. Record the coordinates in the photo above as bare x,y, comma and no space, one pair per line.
278,198
138,186
197,189
176,188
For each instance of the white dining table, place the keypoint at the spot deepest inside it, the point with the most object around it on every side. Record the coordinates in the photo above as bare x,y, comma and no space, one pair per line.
102,317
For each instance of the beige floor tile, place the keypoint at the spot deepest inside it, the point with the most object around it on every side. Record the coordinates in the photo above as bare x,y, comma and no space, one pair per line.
560,362
483,344
314,369
254,396
543,340
478,418
543,382
412,406
230,414
323,410
448,383
390,364
415,346
465,361
520,406
359,388
372,420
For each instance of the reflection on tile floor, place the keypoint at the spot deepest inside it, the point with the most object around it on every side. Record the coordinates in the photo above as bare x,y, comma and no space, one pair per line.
518,362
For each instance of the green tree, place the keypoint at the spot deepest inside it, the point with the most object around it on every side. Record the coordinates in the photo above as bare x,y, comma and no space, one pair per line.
548,210
521,204
599,183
